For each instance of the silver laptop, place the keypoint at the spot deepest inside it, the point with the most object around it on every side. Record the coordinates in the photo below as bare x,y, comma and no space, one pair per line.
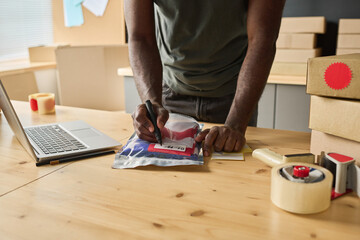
59,142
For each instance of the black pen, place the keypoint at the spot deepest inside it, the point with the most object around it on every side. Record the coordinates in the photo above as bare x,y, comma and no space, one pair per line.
152,115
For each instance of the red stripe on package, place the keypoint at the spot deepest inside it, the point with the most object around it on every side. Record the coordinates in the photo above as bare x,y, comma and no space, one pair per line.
188,151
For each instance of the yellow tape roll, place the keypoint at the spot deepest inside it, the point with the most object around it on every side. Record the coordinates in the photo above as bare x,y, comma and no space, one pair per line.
297,197
43,103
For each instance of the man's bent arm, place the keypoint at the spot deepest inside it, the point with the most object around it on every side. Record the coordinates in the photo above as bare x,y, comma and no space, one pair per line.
146,65
263,23
143,52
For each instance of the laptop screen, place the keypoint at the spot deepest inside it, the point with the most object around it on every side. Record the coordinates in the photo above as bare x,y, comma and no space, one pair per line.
14,121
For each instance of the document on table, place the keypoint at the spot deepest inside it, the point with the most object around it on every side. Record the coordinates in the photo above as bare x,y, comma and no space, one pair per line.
236,156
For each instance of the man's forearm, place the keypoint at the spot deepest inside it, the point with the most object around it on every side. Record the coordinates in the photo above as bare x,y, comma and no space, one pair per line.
251,82
263,23
146,65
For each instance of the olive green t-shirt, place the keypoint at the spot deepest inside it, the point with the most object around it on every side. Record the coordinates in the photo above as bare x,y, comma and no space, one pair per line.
202,44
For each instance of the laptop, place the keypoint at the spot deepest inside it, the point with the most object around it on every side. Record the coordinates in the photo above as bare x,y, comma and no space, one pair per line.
58,142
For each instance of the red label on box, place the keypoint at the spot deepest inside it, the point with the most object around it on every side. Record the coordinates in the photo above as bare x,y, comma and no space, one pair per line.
338,76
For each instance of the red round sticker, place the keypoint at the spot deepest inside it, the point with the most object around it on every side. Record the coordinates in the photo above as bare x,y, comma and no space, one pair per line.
338,75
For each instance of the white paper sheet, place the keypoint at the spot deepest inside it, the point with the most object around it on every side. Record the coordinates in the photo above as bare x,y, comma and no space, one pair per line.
236,156
97,7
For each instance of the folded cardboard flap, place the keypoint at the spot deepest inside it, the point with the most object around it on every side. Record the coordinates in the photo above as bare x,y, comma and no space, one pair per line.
44,53
338,117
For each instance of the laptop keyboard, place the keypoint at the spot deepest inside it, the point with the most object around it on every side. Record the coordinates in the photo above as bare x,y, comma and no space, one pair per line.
53,139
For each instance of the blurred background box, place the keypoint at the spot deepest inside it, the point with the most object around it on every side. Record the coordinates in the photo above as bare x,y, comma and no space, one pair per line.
296,55
20,85
43,53
87,76
348,41
349,26
296,40
303,25
108,29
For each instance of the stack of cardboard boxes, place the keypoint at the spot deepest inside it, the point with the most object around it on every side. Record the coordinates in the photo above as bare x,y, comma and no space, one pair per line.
349,36
296,43
334,83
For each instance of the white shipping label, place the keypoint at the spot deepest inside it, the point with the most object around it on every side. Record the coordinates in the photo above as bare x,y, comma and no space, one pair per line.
179,148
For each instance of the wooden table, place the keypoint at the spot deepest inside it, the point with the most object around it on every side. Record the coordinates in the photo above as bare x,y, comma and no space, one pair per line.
88,199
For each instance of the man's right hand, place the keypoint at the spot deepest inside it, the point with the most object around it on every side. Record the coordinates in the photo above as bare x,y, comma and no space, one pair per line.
143,125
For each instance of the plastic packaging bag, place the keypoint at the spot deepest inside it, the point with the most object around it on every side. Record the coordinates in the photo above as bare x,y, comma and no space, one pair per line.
179,146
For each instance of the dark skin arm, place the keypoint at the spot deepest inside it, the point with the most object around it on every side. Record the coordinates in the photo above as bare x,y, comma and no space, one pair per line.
263,23
146,64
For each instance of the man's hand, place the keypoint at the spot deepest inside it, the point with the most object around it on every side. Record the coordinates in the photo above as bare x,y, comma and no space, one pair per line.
222,138
142,124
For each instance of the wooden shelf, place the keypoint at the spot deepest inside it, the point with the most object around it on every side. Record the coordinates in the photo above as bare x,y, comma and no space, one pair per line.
22,66
291,80
126,72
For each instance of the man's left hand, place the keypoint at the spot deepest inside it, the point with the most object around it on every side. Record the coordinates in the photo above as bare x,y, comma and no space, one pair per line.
222,138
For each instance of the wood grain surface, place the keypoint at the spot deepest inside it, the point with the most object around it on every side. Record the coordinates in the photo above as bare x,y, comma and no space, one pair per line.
88,199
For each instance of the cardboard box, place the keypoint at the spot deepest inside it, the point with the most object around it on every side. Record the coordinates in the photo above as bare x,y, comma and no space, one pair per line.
348,41
349,26
321,141
296,55
43,53
303,25
87,76
342,51
335,116
20,85
334,76
288,69
107,29
296,40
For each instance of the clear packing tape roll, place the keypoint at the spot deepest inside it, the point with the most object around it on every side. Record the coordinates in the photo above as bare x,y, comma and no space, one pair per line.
301,197
43,103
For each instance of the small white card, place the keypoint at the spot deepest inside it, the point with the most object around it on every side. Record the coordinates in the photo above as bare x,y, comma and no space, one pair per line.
236,156
179,148
227,156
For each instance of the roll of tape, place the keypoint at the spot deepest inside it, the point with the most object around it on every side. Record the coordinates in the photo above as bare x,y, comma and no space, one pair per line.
43,103
301,197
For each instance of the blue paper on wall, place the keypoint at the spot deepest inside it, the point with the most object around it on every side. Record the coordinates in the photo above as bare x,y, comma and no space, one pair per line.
73,14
